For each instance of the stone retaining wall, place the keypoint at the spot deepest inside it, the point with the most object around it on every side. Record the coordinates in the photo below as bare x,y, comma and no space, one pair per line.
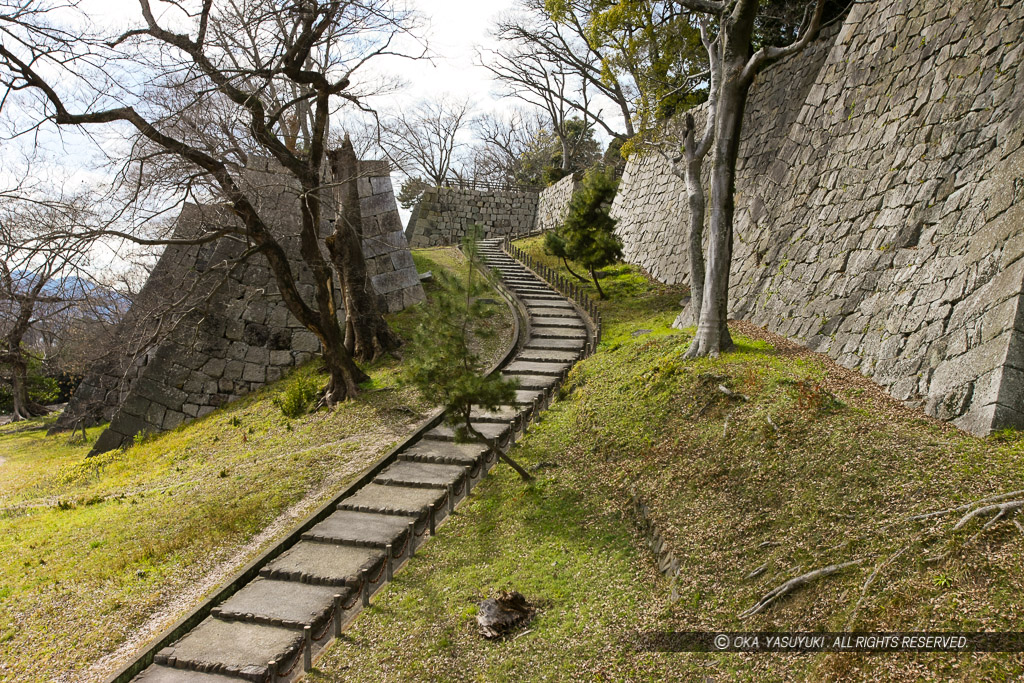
444,214
234,333
553,205
880,205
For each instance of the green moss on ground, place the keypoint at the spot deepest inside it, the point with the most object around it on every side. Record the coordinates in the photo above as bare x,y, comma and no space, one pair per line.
817,466
93,549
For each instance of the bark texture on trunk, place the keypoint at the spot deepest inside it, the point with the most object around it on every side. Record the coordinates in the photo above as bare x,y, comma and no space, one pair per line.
24,408
733,69
367,334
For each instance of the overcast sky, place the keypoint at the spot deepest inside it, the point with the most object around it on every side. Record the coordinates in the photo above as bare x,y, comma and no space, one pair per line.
453,29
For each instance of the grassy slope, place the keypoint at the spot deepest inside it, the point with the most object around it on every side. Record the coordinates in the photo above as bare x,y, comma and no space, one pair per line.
92,549
823,485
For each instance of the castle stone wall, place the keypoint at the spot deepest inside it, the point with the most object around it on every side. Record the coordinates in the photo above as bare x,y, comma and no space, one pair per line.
233,333
553,203
879,205
444,214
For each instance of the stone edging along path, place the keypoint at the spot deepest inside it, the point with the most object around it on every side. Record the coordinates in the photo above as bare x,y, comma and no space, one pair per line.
267,624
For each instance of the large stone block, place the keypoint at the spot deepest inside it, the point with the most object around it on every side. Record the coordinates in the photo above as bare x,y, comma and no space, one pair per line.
898,209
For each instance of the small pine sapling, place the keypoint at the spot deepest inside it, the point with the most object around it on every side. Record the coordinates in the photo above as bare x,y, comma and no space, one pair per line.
445,368
554,244
588,227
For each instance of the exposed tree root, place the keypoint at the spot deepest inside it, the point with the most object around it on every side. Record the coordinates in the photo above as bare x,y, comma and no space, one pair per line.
1001,506
791,585
874,575
1000,509
963,508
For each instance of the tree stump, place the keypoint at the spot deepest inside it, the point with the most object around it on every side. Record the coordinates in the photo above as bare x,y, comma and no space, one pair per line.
503,614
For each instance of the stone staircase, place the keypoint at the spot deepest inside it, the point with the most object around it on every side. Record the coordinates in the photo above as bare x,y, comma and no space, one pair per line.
271,627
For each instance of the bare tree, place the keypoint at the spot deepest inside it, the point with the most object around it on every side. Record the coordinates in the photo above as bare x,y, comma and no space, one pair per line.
528,72
506,147
41,282
425,140
269,74
566,39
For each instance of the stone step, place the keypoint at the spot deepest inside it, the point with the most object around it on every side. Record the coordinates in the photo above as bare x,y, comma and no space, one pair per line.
233,648
287,604
165,674
532,382
548,355
324,564
349,527
557,333
490,430
549,302
558,322
522,367
408,501
561,344
421,474
532,291
551,312
503,415
433,450
526,397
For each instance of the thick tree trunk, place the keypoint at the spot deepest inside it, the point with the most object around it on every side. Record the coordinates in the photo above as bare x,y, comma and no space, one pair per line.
24,408
367,334
713,335
696,204
344,374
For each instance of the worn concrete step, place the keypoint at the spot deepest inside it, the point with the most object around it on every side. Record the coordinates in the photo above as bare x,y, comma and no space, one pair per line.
527,288
548,355
325,564
349,527
549,302
533,290
574,323
490,430
166,674
527,280
421,474
562,344
395,500
503,415
552,312
557,333
433,450
523,367
526,397
287,604
532,382
233,648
